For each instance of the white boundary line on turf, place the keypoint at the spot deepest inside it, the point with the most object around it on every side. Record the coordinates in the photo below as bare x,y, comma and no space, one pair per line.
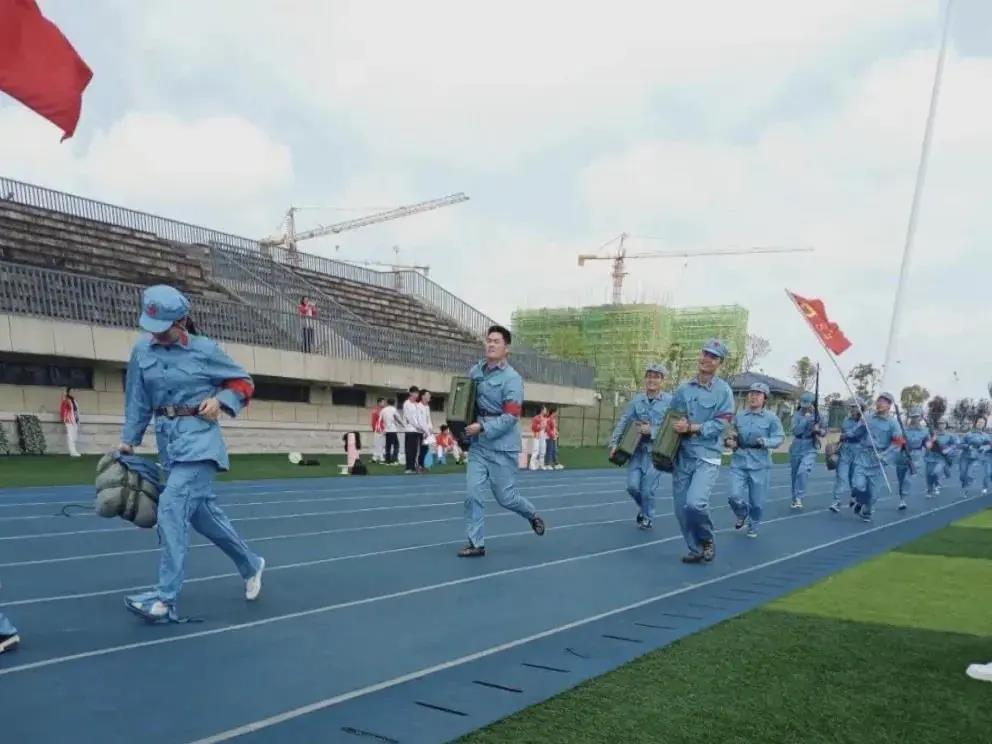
361,692
419,590
339,558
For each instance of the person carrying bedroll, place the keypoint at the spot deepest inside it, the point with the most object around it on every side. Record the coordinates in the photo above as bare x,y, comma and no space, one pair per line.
758,432
185,381
645,412
708,404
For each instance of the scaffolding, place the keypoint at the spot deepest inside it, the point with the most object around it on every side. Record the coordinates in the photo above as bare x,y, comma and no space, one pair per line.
621,340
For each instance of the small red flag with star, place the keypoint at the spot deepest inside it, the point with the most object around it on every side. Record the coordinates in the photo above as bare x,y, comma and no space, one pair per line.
816,315
38,65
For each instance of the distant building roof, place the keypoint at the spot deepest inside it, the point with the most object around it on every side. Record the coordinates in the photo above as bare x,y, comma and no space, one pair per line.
740,383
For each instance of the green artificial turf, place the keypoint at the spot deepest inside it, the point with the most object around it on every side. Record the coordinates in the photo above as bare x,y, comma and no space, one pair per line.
874,654
60,470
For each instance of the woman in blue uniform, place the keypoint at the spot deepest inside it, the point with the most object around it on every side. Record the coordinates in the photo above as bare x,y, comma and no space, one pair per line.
185,382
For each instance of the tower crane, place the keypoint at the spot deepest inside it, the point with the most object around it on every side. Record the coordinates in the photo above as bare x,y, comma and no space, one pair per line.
620,257
290,237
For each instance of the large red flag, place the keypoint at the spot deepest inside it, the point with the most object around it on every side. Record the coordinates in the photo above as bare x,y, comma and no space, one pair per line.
38,65
816,315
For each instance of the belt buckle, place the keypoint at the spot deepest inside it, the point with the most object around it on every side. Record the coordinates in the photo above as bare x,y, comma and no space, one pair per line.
170,412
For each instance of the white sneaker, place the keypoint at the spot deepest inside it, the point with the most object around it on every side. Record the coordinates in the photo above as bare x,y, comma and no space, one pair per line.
559,467
981,672
253,586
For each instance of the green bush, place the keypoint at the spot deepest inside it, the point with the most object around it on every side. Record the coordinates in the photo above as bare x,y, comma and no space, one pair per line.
4,444
31,438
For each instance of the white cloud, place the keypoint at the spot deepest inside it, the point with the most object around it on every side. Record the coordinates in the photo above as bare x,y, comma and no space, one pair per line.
211,168
842,184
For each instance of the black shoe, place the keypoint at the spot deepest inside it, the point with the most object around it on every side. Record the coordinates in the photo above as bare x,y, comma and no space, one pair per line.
470,551
639,519
646,524
537,524
739,524
693,558
9,642
857,508
709,551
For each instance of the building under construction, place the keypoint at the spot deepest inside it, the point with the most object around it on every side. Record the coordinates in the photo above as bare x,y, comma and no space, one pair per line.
619,340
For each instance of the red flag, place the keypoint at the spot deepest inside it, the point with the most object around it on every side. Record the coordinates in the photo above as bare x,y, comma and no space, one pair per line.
816,315
38,65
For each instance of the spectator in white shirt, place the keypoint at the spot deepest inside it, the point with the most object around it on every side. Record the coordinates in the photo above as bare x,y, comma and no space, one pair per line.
390,418
412,429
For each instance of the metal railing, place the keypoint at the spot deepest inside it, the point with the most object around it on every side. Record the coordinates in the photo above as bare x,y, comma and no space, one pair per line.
47,293
409,282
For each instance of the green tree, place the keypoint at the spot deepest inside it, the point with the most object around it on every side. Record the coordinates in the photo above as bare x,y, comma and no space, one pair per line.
936,409
804,373
913,395
567,343
865,377
963,413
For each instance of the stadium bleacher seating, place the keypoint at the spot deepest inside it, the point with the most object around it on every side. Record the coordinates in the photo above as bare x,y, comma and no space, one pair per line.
52,240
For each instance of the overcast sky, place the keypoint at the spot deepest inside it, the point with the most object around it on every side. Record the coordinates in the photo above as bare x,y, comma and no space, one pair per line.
707,124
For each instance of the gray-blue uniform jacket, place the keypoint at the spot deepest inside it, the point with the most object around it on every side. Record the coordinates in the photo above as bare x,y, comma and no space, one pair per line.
752,426
499,399
710,405
182,374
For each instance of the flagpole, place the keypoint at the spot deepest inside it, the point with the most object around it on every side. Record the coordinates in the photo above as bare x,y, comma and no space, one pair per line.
843,377
921,176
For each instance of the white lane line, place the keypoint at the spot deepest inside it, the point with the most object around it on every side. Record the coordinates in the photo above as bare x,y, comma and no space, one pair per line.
385,507
315,533
422,488
420,590
335,559
358,602
420,673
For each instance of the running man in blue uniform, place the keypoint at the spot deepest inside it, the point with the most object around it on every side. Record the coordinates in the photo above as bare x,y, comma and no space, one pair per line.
185,381
884,433
917,435
851,433
940,451
806,434
706,405
495,442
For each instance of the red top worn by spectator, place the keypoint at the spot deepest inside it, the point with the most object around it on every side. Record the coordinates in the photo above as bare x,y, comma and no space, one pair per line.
445,440
537,424
68,411
378,425
552,426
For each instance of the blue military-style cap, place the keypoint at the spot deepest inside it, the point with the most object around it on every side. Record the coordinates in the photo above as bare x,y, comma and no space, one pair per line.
759,387
161,306
716,347
657,367
807,399
887,396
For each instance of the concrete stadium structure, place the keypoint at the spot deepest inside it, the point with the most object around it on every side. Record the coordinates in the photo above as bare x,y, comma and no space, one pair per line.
71,275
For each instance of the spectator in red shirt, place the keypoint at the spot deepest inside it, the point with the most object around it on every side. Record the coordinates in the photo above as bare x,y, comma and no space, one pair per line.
538,428
446,443
69,412
551,452
308,311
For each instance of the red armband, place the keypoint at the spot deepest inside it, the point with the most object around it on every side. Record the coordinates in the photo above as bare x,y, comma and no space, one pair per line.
512,408
899,441
725,416
244,388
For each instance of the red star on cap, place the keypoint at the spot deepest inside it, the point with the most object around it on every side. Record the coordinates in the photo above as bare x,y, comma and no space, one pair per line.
152,310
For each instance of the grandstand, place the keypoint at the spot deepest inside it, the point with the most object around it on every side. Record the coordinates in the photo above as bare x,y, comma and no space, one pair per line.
71,275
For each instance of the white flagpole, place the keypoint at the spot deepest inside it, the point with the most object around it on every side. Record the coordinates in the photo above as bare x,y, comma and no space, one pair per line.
921,176
864,413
